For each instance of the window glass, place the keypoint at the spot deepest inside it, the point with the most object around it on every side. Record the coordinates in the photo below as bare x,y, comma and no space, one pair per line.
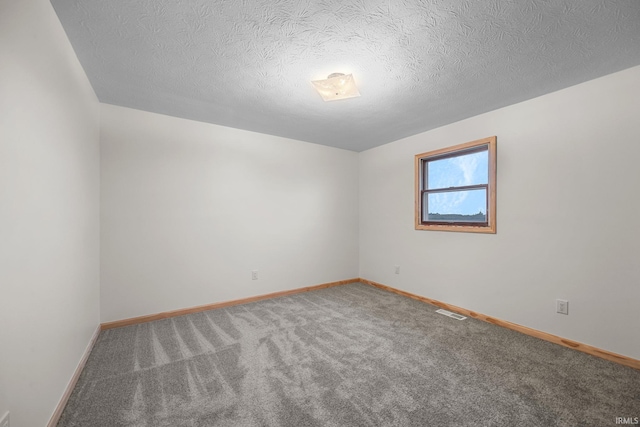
459,206
467,169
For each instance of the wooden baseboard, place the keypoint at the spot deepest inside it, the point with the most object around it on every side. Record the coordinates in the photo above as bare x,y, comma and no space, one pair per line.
74,379
585,348
183,311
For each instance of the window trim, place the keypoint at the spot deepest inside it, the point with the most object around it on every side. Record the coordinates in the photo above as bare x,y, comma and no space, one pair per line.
443,153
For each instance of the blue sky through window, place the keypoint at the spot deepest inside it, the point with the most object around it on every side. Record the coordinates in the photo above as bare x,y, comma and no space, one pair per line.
469,169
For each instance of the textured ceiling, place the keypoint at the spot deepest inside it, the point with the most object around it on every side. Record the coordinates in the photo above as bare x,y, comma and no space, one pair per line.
419,64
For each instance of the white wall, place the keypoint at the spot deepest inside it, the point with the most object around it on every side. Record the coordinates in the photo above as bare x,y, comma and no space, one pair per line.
567,216
49,213
188,209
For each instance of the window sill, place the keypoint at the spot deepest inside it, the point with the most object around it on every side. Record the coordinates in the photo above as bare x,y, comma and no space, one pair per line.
460,228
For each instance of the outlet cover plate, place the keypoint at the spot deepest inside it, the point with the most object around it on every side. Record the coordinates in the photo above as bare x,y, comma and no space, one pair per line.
562,306
4,421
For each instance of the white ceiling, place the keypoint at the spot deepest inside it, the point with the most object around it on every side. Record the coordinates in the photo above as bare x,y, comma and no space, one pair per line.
419,64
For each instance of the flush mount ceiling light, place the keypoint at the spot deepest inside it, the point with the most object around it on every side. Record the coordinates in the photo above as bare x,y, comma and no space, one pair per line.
336,86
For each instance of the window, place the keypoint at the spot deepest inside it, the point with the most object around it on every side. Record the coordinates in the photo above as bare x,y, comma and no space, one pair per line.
456,188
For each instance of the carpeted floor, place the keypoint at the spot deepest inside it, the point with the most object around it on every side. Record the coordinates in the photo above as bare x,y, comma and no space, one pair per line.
350,355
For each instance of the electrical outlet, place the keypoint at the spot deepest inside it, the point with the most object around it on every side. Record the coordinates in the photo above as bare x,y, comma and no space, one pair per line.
4,421
397,269
562,306
254,276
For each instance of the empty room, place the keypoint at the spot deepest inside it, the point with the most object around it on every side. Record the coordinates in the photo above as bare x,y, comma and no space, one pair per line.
319,213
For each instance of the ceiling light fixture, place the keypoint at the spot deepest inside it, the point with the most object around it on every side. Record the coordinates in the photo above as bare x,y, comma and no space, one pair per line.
336,86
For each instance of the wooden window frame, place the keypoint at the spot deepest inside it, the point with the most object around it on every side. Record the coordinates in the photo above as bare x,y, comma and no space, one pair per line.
467,148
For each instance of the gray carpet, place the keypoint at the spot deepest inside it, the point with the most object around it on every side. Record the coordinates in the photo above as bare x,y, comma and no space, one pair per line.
350,355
